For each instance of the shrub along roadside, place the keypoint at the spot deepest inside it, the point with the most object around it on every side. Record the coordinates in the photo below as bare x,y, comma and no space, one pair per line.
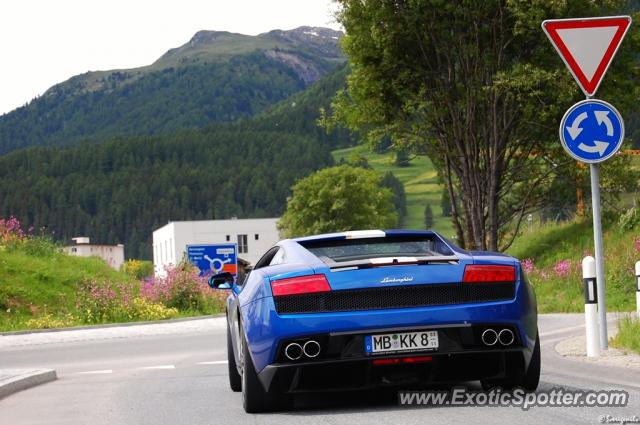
628,335
552,256
181,293
42,287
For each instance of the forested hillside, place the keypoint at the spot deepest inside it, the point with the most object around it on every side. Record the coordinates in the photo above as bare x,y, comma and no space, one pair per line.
300,112
119,191
215,77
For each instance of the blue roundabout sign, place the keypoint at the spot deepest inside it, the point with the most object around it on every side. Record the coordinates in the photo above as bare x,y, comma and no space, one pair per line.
592,131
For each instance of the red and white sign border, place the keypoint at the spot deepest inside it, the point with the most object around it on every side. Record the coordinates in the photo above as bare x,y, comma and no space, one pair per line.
568,59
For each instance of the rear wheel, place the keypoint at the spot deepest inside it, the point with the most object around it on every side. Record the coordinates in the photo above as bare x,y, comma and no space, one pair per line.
531,379
235,380
254,398
528,380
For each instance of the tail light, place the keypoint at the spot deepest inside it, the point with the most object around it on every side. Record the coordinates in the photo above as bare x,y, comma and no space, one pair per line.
418,359
300,285
474,273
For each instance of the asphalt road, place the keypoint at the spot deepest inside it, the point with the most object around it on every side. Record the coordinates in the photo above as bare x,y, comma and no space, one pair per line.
180,377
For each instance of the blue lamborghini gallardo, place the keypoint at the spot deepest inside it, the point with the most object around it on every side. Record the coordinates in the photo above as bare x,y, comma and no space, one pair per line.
366,309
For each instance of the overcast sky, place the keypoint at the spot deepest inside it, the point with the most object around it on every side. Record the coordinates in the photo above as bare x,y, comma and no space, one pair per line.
44,42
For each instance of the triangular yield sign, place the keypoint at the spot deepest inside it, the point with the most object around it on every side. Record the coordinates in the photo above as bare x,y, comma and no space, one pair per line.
587,46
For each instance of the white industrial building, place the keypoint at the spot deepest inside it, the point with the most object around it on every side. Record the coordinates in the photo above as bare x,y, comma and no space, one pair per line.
253,236
82,247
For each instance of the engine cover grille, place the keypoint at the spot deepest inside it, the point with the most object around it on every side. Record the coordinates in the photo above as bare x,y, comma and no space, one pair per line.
395,297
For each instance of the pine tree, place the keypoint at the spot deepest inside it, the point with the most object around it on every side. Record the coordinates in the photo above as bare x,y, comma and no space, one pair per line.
428,217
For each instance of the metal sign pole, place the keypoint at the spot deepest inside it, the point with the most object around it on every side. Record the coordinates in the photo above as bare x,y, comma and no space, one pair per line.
575,41
597,237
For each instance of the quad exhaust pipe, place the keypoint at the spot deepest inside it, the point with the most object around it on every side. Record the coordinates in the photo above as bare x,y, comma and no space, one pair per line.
491,337
311,348
506,337
295,351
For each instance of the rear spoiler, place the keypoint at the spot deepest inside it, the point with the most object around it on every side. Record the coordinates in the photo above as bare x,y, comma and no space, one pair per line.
388,261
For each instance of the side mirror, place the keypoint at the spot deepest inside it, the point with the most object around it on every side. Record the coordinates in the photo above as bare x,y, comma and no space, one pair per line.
221,281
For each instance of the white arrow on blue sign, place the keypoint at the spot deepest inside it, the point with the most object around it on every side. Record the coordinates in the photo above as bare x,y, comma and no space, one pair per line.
592,131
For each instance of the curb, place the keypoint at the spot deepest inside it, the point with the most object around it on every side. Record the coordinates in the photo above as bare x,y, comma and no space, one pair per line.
111,325
22,379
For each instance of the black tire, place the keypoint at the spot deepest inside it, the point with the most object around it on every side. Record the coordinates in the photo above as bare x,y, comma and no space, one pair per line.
531,379
528,380
254,397
235,380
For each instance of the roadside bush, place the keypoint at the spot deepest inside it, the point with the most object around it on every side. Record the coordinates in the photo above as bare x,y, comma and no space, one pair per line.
155,298
629,220
11,233
103,302
141,309
183,289
49,321
138,269
40,246
552,254
628,335
14,237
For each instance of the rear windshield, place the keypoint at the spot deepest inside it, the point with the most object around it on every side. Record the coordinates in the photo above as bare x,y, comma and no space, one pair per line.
359,249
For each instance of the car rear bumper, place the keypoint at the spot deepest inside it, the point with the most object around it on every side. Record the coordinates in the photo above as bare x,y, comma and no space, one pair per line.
343,363
361,374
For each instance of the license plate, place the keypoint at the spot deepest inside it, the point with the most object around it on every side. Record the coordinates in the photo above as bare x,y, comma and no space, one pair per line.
407,341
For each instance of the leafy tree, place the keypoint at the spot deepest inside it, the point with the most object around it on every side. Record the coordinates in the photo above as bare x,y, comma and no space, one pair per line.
428,217
383,145
338,199
477,86
357,159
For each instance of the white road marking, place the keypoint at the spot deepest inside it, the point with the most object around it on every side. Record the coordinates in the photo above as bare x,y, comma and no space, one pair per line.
215,362
166,366
95,372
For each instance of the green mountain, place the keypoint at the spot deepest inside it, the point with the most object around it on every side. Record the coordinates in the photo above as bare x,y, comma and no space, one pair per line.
215,77
300,113
120,190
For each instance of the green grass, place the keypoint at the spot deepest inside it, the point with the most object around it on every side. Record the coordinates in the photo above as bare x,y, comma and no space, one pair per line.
420,183
42,287
551,244
628,336
32,285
